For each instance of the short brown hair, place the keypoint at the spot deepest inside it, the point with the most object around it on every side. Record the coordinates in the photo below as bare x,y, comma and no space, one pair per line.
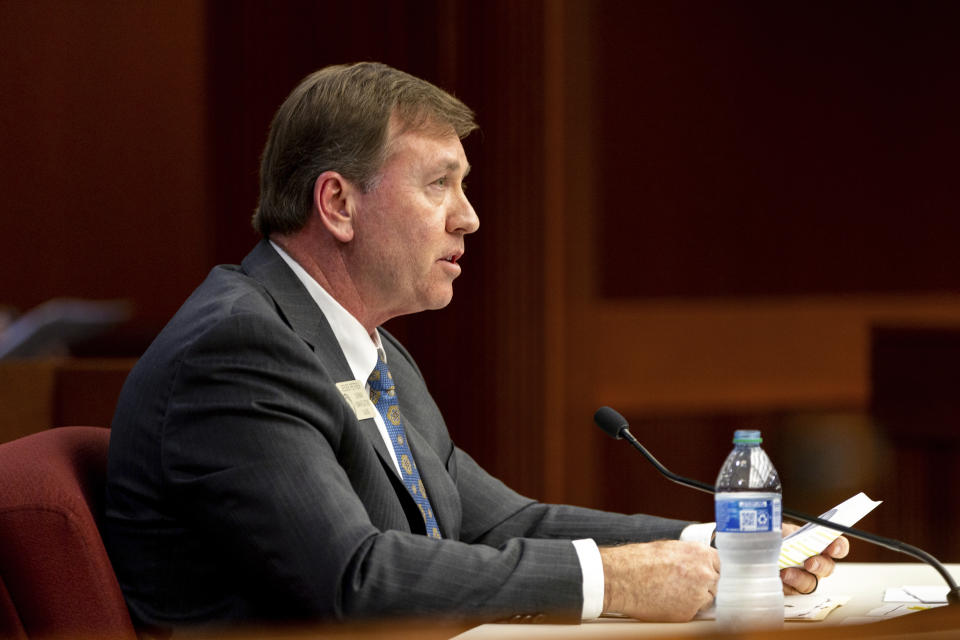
337,120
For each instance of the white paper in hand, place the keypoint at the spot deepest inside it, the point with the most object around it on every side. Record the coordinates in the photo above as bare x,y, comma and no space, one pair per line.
811,539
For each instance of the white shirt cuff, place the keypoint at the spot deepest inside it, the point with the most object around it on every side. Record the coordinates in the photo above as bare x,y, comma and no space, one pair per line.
591,565
701,533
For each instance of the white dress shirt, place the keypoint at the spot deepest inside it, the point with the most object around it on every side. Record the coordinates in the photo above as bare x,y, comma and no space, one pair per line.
361,351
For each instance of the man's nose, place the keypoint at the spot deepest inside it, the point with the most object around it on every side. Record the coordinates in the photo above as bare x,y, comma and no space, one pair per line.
463,219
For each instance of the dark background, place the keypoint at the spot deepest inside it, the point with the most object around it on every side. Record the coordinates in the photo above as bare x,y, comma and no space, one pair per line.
709,215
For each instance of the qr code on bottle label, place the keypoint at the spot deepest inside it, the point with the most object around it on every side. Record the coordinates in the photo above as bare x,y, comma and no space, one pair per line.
747,515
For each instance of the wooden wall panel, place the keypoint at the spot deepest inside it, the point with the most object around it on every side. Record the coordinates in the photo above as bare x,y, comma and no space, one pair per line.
915,400
701,356
784,148
681,309
503,47
103,155
37,394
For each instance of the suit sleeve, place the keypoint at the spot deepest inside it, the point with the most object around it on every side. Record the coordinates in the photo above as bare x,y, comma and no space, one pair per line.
252,447
492,513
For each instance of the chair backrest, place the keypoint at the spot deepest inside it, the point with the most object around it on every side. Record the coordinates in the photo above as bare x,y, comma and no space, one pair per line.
56,579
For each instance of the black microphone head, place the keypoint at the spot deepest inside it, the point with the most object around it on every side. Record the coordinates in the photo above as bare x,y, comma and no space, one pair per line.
610,421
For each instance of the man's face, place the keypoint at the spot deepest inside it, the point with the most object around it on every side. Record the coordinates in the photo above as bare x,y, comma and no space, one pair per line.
410,227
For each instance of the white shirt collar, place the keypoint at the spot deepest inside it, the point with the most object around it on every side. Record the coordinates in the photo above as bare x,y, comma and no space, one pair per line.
358,347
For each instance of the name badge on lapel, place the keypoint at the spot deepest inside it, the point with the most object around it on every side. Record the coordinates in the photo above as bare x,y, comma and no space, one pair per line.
355,393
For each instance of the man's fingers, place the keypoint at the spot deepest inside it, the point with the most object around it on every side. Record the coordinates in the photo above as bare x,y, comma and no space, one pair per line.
821,566
839,548
707,600
804,580
797,581
712,579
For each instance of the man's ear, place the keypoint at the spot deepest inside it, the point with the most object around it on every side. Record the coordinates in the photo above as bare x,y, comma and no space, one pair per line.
332,201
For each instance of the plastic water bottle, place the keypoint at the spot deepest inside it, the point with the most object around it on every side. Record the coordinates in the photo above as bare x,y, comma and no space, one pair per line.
747,503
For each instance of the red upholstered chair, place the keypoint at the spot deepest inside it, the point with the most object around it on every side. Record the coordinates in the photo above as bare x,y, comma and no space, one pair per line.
56,579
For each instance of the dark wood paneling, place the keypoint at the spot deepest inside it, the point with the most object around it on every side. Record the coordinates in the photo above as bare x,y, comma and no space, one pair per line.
915,374
659,158
86,391
102,153
752,148
37,394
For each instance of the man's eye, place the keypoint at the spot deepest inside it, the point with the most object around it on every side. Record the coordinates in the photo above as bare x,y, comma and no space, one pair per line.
440,182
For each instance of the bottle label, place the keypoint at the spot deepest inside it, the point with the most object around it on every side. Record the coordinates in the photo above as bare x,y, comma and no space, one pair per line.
742,513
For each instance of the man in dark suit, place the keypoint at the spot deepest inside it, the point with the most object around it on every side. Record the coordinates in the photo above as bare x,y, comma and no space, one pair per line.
276,456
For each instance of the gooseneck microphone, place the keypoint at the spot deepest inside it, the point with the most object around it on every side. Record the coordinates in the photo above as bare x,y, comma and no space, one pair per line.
616,426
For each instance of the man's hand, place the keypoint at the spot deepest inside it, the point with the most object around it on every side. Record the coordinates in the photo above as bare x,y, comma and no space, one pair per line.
802,581
667,580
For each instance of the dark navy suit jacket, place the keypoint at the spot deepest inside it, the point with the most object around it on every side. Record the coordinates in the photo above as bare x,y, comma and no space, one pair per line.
242,487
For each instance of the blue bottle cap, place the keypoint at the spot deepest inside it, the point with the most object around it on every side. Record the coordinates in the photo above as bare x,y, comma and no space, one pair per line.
747,436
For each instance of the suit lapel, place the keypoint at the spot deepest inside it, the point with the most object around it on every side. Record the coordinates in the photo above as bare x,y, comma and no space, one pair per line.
265,265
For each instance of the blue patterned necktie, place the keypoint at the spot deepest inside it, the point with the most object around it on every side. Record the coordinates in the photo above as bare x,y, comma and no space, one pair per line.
383,394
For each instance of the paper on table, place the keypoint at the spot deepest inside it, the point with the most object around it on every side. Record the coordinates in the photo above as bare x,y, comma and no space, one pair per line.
917,593
897,594
806,608
811,539
928,594
896,610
